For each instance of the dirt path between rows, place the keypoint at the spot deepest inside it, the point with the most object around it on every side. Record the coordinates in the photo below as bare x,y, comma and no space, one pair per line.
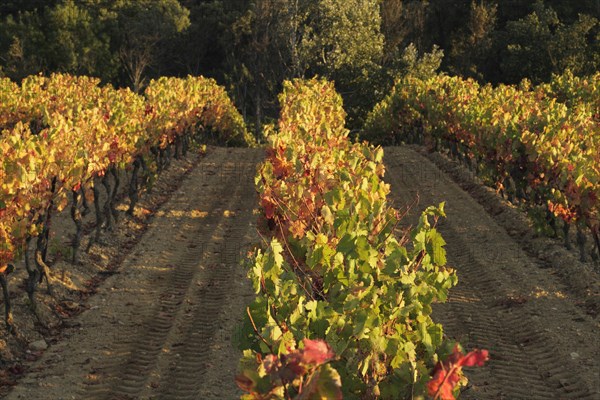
543,344
161,327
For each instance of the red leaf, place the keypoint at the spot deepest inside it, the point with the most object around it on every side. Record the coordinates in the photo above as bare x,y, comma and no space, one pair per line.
269,207
441,387
293,367
447,374
271,363
475,358
316,352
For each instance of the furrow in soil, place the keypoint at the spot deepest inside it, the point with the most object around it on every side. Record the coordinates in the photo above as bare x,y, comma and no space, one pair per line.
162,327
541,345
170,355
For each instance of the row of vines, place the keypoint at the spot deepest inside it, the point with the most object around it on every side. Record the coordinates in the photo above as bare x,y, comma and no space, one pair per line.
343,295
68,140
539,146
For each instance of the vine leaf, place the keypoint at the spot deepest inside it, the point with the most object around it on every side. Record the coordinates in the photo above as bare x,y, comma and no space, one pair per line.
447,374
316,352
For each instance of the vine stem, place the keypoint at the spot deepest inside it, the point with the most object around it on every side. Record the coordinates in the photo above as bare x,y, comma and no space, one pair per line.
257,332
297,263
438,393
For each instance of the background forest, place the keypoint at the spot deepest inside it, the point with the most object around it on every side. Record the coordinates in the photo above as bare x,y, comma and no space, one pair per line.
252,46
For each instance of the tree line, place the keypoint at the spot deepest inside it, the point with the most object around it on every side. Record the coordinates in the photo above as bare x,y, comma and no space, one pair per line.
252,46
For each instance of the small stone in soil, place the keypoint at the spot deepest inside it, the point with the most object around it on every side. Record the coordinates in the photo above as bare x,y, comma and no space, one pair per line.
38,345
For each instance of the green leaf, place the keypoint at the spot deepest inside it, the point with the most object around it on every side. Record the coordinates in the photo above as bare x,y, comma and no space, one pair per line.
327,215
346,244
435,247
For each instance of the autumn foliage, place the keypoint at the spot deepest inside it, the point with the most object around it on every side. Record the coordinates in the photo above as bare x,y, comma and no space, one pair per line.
64,137
447,374
537,145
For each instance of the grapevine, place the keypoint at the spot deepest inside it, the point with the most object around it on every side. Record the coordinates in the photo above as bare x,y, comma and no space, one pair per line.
335,268
537,145
64,138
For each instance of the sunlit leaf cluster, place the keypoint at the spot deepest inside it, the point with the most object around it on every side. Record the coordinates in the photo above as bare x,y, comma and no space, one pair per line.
62,133
335,266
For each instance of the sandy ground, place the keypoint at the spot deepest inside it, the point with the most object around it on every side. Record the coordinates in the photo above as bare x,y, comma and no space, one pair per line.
544,342
161,326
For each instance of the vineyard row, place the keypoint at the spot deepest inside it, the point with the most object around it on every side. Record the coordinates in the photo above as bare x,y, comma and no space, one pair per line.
343,296
66,139
539,146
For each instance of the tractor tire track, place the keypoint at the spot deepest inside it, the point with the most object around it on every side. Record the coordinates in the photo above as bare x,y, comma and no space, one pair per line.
542,345
162,327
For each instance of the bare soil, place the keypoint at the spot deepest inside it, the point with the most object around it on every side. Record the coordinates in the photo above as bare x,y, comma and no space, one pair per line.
160,325
515,295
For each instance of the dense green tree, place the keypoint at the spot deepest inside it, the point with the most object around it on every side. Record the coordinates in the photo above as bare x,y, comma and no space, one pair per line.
342,41
444,19
253,45
65,37
420,66
540,44
341,36
472,45
280,39
14,7
94,37
201,49
74,42
394,27
263,55
22,45
568,10
143,27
